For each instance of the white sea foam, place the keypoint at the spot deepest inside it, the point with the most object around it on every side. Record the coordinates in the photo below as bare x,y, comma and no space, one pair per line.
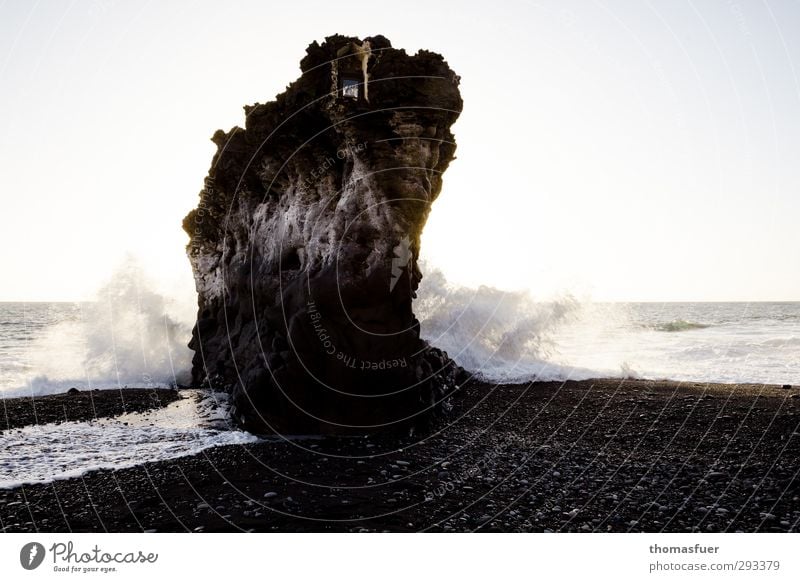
43,453
502,336
508,337
129,335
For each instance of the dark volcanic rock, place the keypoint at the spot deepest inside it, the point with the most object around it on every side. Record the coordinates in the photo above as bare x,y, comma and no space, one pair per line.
305,242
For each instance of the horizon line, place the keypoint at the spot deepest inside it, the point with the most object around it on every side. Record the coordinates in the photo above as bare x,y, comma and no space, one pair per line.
6,301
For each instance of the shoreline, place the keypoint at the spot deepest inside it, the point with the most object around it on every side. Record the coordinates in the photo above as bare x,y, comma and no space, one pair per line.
594,455
83,405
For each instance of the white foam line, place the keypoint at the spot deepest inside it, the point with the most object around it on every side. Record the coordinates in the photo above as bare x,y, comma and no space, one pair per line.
45,453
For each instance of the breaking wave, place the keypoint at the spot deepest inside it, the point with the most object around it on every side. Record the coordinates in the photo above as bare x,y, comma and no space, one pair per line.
501,336
130,335
677,325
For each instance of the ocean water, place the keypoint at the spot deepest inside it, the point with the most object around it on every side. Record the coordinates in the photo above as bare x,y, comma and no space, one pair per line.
508,337
122,339
50,347
698,342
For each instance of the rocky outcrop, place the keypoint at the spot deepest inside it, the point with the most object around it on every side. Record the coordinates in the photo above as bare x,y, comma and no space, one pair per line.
305,241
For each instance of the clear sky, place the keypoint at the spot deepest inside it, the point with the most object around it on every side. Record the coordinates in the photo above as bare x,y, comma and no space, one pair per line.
618,150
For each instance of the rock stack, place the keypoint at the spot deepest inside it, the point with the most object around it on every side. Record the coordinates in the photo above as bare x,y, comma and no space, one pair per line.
305,241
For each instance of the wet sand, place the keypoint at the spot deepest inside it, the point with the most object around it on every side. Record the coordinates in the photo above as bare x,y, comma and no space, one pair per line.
81,405
604,455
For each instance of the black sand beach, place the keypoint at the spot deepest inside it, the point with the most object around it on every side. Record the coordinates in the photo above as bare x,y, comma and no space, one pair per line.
604,455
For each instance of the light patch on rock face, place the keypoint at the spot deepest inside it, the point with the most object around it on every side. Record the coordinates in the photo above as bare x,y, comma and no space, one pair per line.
207,275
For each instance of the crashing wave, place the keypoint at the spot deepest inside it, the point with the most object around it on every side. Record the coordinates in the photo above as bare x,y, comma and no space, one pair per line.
678,325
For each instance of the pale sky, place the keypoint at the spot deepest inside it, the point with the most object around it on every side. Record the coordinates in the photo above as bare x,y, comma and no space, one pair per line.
613,150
